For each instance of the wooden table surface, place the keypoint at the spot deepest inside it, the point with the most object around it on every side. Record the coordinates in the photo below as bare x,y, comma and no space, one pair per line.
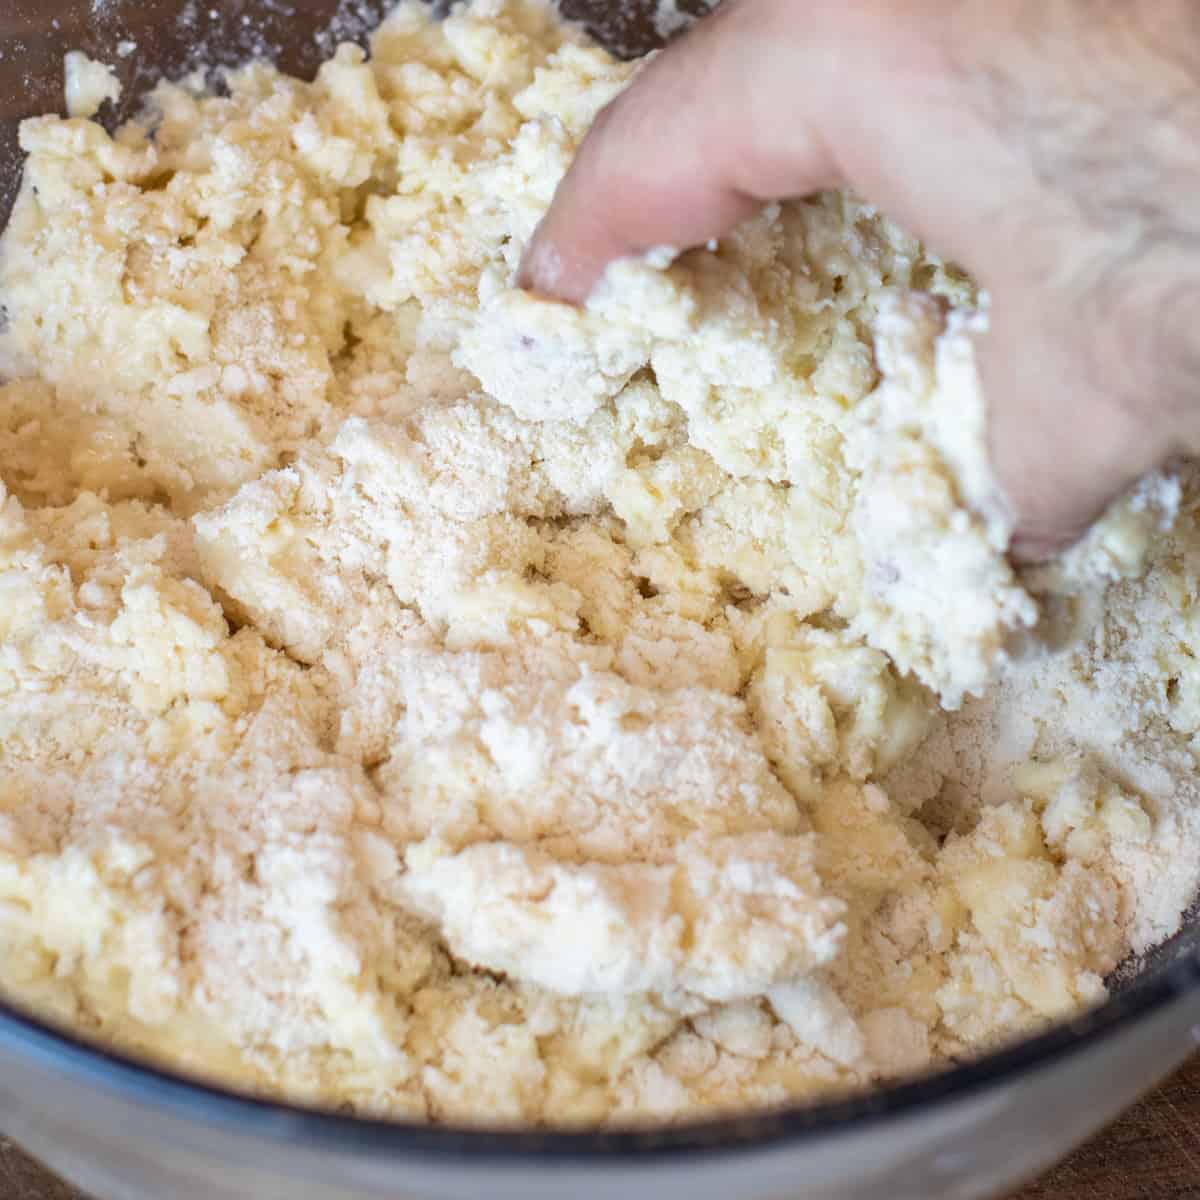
1151,1153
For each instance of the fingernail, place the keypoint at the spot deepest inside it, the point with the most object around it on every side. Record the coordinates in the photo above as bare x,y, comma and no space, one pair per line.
541,267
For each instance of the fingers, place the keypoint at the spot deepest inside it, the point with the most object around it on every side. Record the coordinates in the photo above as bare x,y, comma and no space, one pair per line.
703,137
774,98
1061,447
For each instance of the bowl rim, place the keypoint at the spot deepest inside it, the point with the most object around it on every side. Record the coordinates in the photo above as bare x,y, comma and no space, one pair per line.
141,1082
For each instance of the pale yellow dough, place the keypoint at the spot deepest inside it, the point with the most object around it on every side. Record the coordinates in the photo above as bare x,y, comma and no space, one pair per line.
88,84
420,697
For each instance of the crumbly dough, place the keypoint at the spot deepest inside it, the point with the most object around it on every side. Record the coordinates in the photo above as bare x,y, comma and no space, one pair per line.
88,84
421,698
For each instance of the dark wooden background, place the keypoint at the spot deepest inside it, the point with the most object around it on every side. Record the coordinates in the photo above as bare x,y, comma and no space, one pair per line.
1152,1153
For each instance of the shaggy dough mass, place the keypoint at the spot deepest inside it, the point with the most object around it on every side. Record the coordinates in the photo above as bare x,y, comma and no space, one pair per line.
418,697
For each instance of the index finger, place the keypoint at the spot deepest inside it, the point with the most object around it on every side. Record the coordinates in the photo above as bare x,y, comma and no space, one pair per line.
701,139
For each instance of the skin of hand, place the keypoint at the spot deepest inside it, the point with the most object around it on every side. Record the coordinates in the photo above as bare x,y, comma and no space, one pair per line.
1051,147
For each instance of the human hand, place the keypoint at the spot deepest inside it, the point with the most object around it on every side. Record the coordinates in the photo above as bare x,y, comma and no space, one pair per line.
1051,147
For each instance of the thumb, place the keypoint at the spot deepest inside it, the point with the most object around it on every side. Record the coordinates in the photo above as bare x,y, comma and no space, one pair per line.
698,142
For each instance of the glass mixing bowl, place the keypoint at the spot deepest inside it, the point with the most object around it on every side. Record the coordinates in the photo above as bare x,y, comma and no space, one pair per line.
124,1130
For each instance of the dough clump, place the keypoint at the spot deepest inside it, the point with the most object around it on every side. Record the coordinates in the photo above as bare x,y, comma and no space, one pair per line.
419,697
